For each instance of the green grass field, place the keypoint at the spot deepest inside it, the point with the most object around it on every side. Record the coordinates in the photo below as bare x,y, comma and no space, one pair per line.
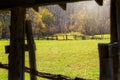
74,58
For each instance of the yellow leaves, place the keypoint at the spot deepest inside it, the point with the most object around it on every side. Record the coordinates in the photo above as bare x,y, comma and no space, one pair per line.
44,12
42,20
40,16
42,24
0,23
27,16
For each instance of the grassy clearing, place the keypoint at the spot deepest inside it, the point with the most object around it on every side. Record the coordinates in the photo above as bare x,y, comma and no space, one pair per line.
73,36
105,36
72,58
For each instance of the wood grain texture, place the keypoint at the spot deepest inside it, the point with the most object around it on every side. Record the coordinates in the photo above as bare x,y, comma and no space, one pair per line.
17,34
32,48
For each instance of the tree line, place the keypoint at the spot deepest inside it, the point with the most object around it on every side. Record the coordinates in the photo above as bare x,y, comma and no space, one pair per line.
87,18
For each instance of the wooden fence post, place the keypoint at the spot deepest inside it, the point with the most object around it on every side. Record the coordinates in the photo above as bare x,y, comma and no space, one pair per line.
32,48
106,63
115,36
75,37
17,34
118,32
56,37
113,27
66,37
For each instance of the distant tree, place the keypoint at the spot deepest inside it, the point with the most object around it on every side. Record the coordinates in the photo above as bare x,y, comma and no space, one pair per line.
86,18
37,23
42,21
0,29
5,20
48,19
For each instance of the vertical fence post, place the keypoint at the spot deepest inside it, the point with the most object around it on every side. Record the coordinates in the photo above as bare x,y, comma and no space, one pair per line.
106,63
16,56
66,37
115,36
32,47
118,32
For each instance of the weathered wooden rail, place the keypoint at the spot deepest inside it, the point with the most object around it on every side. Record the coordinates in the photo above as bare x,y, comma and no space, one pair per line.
29,3
43,74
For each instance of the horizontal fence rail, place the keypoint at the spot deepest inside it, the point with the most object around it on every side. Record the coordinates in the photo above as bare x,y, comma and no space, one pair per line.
44,75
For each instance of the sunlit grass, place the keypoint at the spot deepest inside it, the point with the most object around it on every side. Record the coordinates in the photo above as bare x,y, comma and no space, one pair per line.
106,36
74,58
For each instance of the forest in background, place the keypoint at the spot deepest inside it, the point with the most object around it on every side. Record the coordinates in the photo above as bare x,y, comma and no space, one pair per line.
86,18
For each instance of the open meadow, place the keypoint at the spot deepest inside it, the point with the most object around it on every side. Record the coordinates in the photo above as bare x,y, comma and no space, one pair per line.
74,58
